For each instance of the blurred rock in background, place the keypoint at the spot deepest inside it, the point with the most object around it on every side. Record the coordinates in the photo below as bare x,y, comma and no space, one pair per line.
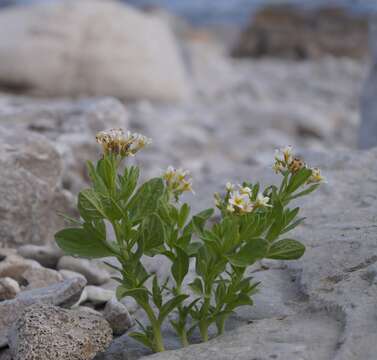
297,33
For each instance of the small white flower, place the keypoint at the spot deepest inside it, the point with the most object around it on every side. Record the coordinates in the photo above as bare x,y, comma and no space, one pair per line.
316,177
229,186
177,181
230,208
236,199
262,201
245,190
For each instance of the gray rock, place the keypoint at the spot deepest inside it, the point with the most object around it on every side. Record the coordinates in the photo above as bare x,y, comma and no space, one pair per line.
5,354
68,274
134,70
40,277
304,337
95,295
117,316
29,188
46,255
9,288
44,331
63,294
13,266
93,273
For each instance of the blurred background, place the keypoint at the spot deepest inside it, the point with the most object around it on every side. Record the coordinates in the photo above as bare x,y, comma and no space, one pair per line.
217,84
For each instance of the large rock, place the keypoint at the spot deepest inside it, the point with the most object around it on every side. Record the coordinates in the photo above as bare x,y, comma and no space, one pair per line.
45,331
30,192
63,294
54,49
291,32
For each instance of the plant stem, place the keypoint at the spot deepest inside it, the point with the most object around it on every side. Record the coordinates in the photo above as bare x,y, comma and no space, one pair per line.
203,327
184,340
221,326
156,327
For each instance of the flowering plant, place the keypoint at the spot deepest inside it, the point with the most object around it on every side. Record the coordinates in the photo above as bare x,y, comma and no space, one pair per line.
148,219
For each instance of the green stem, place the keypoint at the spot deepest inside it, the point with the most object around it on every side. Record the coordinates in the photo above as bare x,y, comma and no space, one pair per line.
203,327
184,340
156,328
221,326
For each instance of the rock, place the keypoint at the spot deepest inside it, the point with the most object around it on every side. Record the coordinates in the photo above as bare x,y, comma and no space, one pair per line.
97,64
368,127
292,32
117,316
95,295
5,354
70,125
9,288
44,330
46,255
40,277
29,188
68,274
63,294
306,337
13,266
93,273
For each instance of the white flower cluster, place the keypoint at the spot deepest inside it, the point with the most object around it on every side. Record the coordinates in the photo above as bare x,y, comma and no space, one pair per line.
115,141
239,200
286,162
177,181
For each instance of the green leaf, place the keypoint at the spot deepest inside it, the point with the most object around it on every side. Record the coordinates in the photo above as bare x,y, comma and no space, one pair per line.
170,305
89,205
77,241
298,179
157,298
286,249
98,183
180,266
192,248
249,253
307,191
153,232
137,293
183,215
128,182
106,170
142,338
145,201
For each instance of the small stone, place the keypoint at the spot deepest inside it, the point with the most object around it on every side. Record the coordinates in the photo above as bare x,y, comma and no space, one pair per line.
96,295
9,288
68,274
46,255
92,272
34,278
63,294
44,331
117,316
14,266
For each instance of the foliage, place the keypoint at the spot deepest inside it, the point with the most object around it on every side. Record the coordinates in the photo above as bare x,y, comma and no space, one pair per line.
148,219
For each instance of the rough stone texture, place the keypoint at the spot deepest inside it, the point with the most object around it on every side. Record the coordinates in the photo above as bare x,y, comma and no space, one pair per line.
117,316
117,57
40,277
29,188
305,337
288,31
93,273
5,354
46,255
70,125
13,265
45,331
9,288
63,294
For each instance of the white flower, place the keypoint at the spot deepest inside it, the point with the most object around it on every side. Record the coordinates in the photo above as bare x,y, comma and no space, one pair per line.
245,190
177,181
230,208
284,155
262,201
229,186
241,202
316,176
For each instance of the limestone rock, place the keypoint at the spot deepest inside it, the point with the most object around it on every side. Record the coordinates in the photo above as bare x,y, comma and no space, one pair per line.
68,274
13,266
95,295
288,31
45,331
63,294
93,273
117,316
46,255
29,188
40,277
9,288
117,57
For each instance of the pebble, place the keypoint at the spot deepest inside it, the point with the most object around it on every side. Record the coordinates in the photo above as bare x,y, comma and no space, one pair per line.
9,288
117,316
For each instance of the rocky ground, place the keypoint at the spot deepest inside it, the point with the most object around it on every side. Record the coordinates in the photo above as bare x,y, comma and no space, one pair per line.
320,307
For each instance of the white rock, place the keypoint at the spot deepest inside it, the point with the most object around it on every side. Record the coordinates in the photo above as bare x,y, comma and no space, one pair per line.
9,288
120,56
